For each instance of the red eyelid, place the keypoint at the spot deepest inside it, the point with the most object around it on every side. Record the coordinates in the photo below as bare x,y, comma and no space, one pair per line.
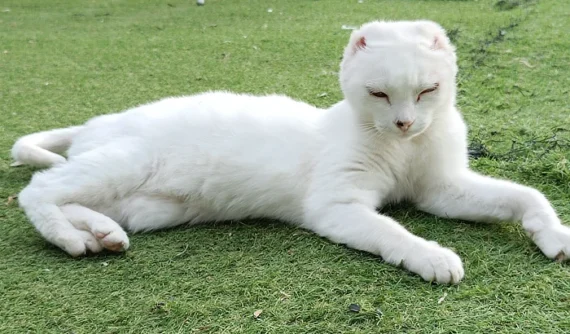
429,90
425,91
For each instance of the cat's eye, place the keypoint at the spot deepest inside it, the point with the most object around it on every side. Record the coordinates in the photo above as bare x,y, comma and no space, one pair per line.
379,94
426,91
429,90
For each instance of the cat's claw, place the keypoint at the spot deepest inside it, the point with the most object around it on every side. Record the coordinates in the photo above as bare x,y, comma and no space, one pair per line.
554,242
435,263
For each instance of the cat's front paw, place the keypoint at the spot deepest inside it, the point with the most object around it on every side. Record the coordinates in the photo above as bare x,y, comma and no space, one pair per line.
435,263
554,242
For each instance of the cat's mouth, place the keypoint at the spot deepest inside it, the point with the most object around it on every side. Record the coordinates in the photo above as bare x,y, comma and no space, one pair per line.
396,132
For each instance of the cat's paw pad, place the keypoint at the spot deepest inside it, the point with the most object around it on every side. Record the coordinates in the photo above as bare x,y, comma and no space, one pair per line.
436,264
554,242
115,240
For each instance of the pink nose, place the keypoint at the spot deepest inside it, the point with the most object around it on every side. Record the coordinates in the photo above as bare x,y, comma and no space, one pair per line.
404,125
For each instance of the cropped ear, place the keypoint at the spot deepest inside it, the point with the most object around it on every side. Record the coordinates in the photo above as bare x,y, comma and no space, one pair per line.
438,44
356,43
435,35
359,45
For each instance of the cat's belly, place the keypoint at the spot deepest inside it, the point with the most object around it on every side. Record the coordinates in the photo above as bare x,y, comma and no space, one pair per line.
188,190
141,211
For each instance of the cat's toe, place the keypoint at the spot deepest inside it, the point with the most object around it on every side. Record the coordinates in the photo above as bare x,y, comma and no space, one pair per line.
77,243
554,242
438,264
91,243
116,240
74,247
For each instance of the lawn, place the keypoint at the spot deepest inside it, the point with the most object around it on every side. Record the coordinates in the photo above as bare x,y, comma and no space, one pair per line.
65,61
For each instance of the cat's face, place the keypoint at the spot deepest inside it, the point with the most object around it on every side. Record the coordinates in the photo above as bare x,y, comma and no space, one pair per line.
399,75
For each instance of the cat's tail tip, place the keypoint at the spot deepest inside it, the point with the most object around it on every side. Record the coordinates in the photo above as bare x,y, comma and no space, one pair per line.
42,149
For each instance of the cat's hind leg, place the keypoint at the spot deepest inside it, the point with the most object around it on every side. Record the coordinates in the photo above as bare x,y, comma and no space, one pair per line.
96,176
52,224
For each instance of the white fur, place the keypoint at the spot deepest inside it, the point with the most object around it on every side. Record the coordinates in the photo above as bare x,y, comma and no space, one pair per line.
222,156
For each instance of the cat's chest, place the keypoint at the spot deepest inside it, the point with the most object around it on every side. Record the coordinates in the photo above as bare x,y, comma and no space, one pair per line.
385,167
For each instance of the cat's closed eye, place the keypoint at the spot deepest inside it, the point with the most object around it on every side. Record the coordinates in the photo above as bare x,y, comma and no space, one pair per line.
380,95
426,91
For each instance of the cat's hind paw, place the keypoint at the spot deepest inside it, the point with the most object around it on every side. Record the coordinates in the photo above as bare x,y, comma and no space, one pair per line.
77,243
115,240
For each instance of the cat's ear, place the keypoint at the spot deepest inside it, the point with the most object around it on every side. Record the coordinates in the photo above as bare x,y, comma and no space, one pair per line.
357,42
359,45
435,35
435,38
438,43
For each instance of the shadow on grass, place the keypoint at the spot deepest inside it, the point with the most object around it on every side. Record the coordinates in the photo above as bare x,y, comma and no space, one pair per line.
448,232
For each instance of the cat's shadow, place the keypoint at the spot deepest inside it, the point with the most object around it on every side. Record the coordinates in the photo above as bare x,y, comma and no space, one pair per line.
445,231
448,232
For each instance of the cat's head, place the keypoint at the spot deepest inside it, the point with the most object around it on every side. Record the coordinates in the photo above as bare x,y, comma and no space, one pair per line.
399,75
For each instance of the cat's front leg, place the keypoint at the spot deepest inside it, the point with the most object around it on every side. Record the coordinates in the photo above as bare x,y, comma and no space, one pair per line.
475,197
361,227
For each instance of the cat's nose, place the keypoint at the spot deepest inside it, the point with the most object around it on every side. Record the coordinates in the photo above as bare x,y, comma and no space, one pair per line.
404,125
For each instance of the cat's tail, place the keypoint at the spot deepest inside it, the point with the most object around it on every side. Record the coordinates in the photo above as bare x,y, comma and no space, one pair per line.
44,149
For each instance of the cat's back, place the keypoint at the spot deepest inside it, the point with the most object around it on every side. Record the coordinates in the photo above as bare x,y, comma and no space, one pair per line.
224,108
227,122
211,109
212,115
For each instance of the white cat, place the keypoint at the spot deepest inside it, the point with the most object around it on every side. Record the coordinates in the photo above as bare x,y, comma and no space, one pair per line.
221,156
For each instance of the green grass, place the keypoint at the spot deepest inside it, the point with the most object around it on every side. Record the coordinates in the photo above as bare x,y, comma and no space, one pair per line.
62,62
